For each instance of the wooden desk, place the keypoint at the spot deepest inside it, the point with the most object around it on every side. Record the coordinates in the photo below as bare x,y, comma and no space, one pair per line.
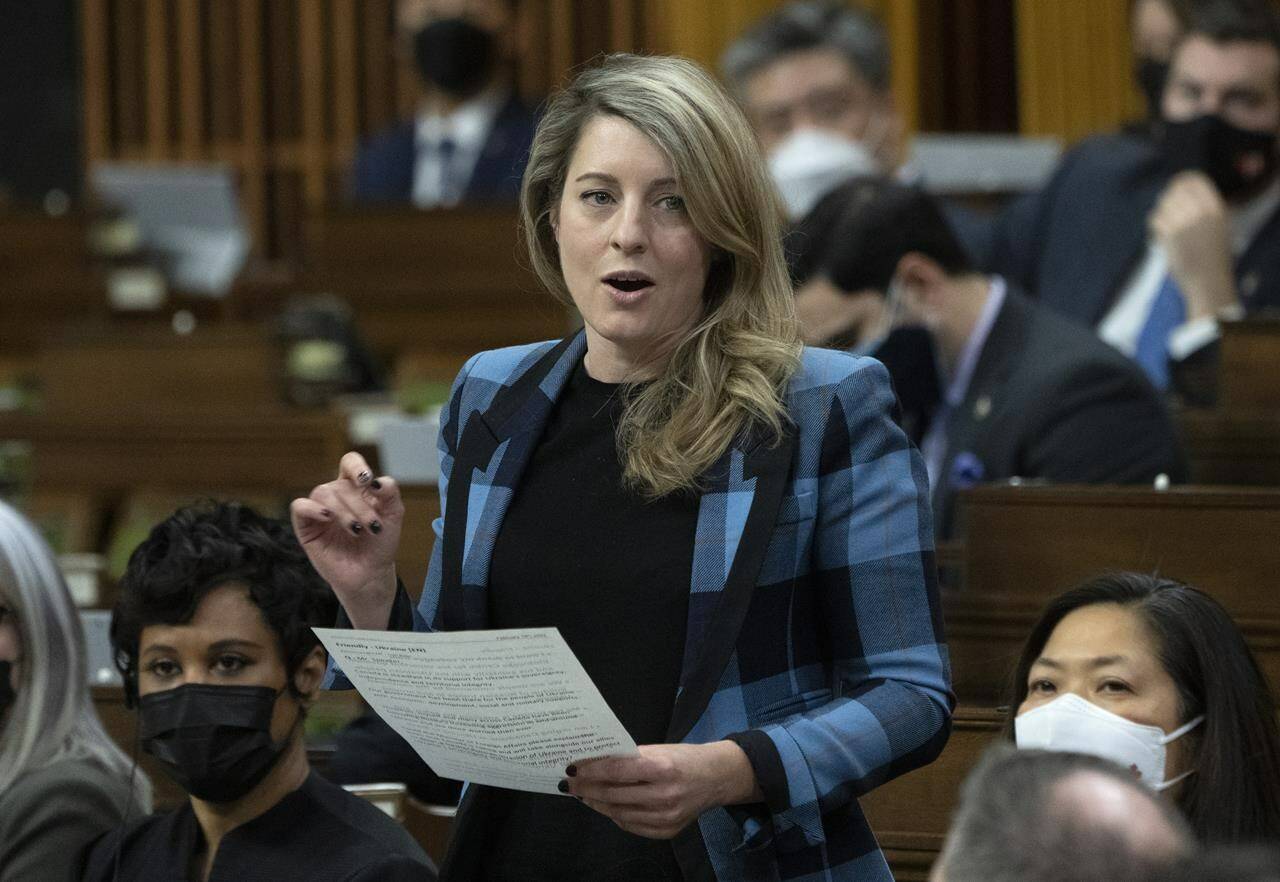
47,278
1229,447
446,282
1025,545
1249,367
139,369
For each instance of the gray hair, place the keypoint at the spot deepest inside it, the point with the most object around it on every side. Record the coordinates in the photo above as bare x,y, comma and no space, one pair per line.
52,718
810,24
1021,817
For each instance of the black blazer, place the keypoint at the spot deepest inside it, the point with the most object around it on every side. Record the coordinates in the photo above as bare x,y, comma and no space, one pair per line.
384,165
1048,400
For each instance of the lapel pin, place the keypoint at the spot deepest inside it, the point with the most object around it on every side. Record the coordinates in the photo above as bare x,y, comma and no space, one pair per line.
982,407
1249,284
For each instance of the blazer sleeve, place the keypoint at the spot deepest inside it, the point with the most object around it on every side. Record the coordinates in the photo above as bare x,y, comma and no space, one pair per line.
404,616
48,822
875,574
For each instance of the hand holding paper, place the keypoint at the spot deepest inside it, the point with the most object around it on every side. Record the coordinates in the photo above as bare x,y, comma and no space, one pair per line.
506,708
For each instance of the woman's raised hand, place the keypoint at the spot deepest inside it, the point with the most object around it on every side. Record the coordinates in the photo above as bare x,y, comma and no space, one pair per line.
350,528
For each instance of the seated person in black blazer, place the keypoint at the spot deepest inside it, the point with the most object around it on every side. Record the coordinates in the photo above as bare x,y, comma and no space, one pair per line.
1016,391
1150,241
213,635
470,138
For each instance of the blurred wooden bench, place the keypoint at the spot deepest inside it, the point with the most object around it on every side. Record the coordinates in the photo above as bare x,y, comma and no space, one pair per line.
47,277
1238,441
438,286
1024,545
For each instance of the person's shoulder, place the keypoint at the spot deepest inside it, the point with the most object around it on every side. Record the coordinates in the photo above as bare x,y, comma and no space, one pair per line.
1059,350
858,385
1111,153
505,365
515,113
67,783
395,138
122,842
369,834
828,369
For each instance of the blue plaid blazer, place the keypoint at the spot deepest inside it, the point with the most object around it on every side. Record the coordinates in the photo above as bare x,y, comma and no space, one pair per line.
814,630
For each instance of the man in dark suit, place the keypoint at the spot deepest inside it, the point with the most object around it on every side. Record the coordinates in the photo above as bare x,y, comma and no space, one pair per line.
1152,242
993,386
471,136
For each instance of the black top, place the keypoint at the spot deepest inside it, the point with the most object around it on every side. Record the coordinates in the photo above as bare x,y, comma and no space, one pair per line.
319,833
579,551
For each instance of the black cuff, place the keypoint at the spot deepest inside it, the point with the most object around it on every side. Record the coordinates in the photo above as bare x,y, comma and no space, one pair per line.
401,618
764,759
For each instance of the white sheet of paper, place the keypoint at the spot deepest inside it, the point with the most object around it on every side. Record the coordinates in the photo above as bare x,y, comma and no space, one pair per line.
508,708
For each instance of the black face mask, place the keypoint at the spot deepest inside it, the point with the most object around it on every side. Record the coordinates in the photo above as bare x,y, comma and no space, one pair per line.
214,741
7,695
455,55
1239,162
1151,76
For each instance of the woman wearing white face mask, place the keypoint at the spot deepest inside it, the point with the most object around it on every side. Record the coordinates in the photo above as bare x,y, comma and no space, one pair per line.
1156,676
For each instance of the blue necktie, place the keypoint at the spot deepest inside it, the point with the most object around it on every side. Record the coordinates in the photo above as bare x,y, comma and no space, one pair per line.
445,150
1152,352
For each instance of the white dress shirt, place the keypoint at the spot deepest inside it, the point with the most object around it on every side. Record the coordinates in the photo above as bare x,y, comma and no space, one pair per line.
440,183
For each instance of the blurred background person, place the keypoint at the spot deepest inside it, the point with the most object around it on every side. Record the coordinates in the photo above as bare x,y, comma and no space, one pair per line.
813,78
1151,241
213,635
1019,391
63,781
470,138
1154,675
1059,817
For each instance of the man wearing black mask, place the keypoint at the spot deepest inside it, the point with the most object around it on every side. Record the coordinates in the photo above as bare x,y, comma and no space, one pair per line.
213,635
470,138
1152,242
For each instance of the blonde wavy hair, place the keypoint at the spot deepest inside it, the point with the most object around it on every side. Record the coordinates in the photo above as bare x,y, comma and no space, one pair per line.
727,374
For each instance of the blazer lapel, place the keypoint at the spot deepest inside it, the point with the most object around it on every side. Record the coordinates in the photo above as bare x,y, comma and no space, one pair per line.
735,520
1000,352
494,449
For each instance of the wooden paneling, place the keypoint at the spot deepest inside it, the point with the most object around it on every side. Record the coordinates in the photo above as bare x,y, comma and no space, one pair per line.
1074,67
281,90
447,282
1026,545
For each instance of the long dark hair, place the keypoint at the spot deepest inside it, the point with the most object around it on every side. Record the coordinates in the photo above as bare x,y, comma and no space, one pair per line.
1235,794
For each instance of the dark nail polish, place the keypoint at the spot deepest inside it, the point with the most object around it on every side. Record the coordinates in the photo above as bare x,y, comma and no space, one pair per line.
564,786
376,484
356,527
375,526
363,477
571,770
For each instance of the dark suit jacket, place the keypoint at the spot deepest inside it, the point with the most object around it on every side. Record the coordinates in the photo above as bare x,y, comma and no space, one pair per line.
1074,244
1049,400
384,165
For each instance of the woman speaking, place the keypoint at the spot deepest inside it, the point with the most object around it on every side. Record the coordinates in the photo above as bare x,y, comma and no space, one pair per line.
729,530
